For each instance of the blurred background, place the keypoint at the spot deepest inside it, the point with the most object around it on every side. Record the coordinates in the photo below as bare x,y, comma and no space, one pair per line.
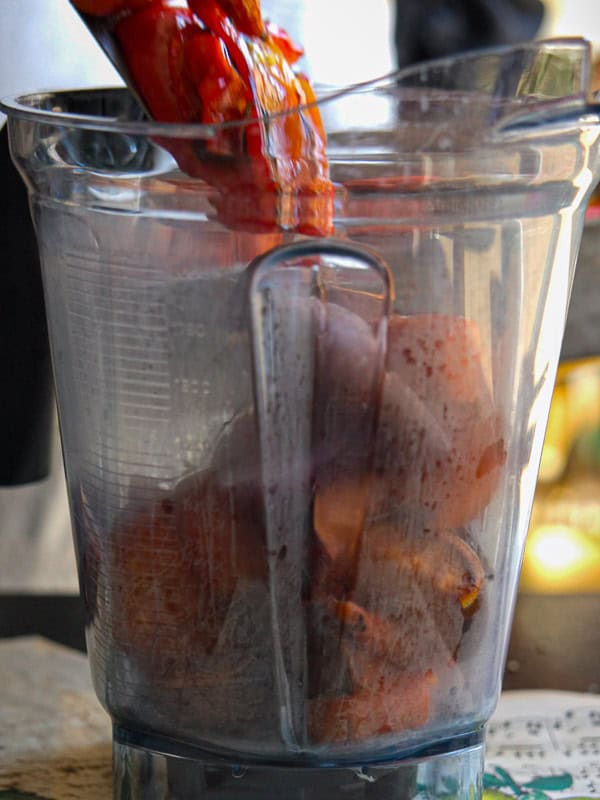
43,44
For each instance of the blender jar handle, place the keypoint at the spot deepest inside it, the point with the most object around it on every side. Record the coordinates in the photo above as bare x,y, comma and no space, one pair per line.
305,298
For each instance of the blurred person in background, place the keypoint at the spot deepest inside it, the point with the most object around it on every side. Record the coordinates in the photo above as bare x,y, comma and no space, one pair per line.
43,44
428,29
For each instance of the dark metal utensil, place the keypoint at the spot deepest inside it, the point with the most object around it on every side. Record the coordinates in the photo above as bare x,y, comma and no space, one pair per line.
101,29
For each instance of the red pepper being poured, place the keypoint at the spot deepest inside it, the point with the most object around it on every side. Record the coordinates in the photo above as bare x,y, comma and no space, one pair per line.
219,61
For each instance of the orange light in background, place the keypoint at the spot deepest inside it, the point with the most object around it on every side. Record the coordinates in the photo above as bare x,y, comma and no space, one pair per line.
561,560
556,549
562,554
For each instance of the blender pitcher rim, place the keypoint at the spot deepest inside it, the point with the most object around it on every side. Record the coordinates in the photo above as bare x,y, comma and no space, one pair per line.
23,105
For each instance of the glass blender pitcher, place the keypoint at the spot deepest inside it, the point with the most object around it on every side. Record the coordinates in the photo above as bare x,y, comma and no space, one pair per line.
301,466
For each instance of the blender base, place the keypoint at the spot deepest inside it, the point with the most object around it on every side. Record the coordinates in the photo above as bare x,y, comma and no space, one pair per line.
141,773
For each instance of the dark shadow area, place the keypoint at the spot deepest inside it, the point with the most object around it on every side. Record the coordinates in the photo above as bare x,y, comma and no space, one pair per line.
555,643
25,373
56,617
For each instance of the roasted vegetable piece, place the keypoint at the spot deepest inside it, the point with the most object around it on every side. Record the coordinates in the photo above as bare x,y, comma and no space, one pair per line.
224,97
290,49
176,564
402,607
287,156
153,44
440,449
213,62
339,519
391,707
452,478
438,560
347,392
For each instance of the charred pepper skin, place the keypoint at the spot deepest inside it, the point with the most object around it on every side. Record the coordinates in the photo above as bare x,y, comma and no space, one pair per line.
219,61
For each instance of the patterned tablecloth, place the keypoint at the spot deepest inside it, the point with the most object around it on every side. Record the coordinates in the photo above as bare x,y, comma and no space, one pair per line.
544,745
55,738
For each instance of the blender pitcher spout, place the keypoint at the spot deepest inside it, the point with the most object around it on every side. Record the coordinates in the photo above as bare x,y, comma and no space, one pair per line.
478,95
565,114
575,120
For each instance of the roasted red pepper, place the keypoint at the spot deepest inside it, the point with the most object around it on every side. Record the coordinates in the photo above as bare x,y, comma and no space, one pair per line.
153,41
216,61
291,51
245,15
